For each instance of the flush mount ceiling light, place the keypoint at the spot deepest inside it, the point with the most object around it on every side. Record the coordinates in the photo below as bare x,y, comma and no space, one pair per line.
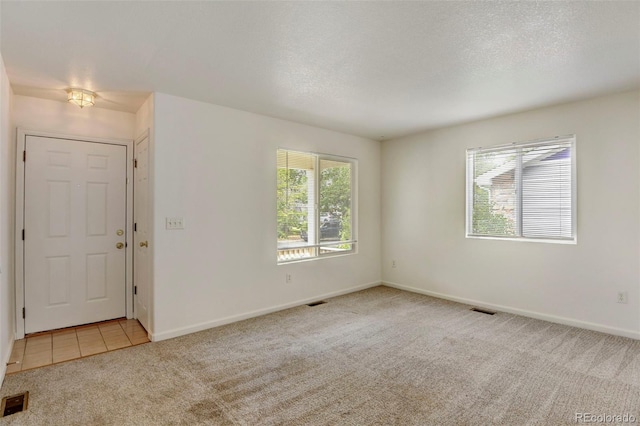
81,97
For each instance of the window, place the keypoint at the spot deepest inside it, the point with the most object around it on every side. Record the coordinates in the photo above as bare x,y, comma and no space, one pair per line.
522,190
314,205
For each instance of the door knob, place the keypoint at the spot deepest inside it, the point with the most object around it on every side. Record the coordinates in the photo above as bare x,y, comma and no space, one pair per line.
144,244
119,246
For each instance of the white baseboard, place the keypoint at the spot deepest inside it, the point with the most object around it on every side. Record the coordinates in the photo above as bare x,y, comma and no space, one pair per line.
5,359
523,312
176,332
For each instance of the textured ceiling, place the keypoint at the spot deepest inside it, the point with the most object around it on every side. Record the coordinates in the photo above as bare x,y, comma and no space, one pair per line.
376,69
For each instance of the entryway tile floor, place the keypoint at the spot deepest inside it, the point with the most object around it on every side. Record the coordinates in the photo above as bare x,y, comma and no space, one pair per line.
51,347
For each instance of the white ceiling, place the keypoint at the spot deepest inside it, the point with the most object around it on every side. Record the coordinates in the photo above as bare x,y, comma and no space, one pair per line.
376,69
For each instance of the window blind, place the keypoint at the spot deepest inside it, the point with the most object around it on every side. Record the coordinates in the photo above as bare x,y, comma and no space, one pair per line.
522,190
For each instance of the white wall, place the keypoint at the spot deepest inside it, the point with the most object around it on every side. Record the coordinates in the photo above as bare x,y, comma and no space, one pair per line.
424,219
65,118
7,185
215,167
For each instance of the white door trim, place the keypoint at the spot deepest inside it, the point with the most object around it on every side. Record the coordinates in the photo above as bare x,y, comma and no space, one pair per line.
19,245
147,321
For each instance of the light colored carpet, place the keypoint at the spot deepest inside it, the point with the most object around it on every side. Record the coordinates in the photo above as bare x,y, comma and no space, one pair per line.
379,356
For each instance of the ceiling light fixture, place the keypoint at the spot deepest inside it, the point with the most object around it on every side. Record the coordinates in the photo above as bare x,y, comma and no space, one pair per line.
81,97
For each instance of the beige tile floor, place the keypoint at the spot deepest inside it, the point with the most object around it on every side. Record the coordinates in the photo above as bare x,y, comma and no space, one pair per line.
71,343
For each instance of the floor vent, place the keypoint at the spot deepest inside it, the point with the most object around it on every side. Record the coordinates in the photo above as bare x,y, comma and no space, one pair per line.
317,303
482,311
14,404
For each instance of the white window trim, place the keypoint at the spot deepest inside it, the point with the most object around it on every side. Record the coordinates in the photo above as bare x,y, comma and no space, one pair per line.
574,193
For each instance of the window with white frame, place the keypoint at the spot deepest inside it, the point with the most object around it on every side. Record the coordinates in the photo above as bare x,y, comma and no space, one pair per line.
314,205
523,190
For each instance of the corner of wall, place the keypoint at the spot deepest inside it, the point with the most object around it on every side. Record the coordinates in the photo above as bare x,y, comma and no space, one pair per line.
152,210
7,188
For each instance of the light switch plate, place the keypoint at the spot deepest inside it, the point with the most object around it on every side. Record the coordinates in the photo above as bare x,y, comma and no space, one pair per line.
174,222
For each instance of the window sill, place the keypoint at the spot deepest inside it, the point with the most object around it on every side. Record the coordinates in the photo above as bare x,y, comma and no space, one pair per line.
311,259
526,240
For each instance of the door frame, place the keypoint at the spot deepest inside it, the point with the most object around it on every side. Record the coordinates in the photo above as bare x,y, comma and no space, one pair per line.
21,139
145,134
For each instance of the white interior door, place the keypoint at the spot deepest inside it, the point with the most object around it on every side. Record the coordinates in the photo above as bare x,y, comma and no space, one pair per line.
75,222
141,232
